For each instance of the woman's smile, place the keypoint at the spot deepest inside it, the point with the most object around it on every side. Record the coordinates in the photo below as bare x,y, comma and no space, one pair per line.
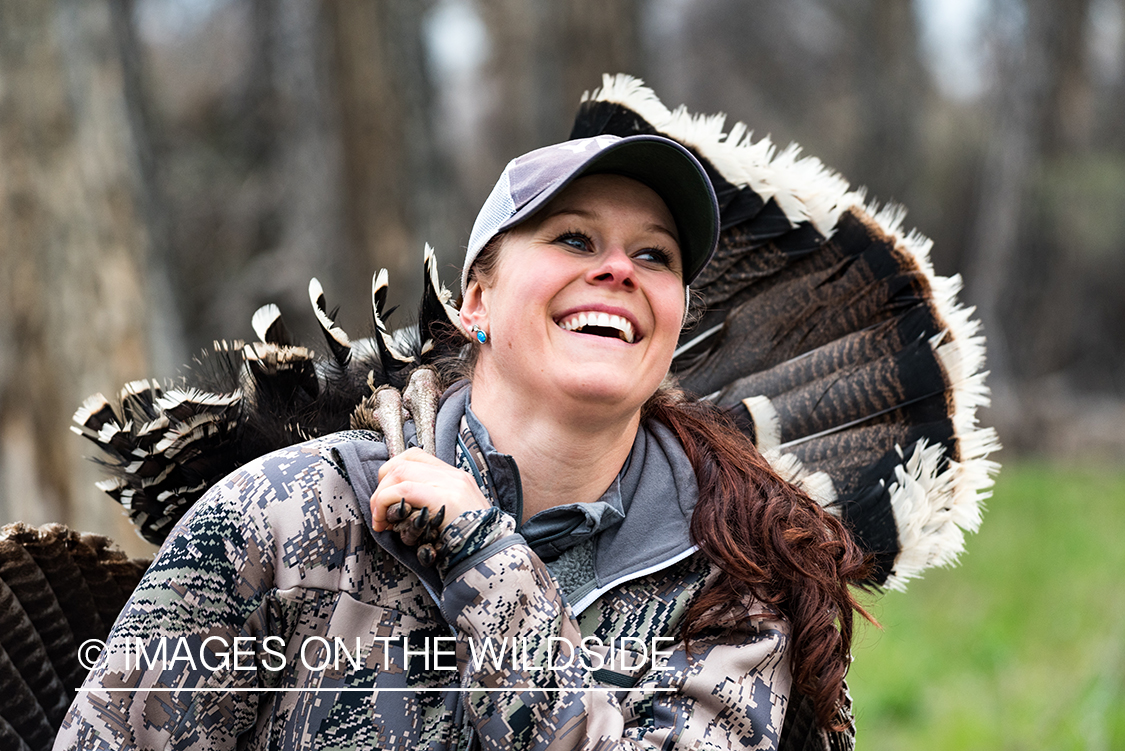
602,321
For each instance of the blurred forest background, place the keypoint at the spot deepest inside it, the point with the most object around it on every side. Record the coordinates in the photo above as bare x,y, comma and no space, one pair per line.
167,166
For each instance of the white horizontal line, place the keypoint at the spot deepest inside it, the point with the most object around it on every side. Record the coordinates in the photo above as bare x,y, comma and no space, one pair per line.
344,689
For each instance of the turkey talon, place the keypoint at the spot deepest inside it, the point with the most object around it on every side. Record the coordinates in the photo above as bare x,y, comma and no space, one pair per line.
438,518
398,512
410,531
427,555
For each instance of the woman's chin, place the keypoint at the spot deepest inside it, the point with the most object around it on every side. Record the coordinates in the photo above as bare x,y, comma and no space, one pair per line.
606,387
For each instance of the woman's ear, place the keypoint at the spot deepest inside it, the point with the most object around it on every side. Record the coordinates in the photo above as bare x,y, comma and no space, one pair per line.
474,310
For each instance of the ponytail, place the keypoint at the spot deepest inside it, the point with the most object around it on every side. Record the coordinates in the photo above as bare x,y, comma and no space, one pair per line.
774,543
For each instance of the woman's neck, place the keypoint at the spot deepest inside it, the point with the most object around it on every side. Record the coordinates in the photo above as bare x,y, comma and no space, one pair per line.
573,460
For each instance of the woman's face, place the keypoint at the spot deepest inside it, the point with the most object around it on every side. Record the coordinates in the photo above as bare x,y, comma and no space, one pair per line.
586,300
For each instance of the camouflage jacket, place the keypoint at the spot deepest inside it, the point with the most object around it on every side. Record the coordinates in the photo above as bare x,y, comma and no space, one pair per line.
274,617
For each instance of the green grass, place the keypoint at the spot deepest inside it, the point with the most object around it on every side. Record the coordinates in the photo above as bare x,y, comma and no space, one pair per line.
1020,647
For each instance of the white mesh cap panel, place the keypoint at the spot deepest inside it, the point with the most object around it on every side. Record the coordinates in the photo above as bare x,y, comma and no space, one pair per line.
497,209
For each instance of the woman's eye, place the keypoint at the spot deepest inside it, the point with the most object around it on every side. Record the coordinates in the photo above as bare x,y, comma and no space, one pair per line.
655,255
575,240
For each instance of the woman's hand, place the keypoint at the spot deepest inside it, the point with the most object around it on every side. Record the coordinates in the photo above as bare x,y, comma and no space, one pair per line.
423,481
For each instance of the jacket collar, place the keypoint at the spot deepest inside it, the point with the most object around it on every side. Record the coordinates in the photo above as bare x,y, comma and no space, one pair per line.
656,490
641,523
553,530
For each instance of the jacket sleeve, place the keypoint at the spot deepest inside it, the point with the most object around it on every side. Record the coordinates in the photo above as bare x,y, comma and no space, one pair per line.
197,620
515,631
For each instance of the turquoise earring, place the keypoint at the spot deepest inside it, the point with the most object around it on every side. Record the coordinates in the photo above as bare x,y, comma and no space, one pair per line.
480,335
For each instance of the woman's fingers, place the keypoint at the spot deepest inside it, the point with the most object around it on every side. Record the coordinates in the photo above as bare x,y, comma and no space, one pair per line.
387,502
417,480
415,496
412,455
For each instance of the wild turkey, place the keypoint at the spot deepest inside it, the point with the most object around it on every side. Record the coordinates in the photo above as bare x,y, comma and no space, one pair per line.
819,326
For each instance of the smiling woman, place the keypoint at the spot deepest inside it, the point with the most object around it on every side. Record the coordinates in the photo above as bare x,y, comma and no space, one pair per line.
598,561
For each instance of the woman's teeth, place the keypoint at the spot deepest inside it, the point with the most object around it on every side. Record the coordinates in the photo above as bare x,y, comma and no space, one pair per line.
592,322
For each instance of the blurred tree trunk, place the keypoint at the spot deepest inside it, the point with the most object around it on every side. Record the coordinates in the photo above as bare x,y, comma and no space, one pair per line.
393,190
1058,268
891,89
1039,81
1024,280
293,146
544,55
1068,120
594,37
73,264
317,158
1111,122
523,107
307,161
167,346
1009,160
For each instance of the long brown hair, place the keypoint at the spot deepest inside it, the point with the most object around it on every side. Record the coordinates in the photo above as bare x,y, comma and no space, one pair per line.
773,542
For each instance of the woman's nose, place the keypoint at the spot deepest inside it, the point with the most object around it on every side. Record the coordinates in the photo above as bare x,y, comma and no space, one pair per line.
616,267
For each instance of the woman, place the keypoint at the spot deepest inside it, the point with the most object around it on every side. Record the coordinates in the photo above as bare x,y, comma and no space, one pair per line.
617,567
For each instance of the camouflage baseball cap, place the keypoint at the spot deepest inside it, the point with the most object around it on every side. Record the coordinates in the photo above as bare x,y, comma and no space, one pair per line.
531,180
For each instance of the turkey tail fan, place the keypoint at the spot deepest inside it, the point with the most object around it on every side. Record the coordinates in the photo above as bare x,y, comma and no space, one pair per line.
161,466
824,333
58,588
165,446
